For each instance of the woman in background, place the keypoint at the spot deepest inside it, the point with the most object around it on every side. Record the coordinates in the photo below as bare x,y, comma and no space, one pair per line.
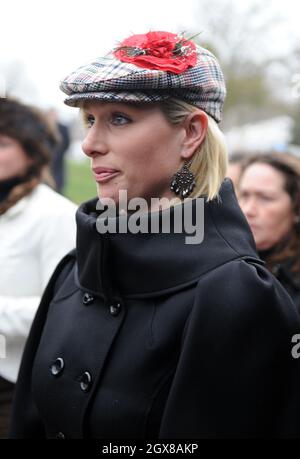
269,195
37,227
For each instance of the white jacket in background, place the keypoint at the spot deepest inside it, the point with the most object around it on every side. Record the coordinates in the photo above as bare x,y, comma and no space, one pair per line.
34,235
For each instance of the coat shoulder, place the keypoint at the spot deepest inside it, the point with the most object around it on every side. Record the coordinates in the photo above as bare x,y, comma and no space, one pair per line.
244,287
236,377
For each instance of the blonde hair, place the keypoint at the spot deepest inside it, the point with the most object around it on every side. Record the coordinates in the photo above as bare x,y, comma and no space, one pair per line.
209,163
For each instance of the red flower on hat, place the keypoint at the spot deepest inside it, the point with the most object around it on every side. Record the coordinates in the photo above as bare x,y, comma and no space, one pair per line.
158,51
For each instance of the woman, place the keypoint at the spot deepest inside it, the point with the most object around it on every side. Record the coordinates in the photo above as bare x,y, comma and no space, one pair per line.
270,199
157,336
30,245
234,168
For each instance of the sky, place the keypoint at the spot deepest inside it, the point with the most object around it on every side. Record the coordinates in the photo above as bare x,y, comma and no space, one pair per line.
43,41
55,37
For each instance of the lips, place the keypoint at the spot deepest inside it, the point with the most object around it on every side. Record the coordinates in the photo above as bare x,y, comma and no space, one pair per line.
103,174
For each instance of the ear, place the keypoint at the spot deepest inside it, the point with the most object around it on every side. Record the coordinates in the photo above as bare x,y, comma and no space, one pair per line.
195,130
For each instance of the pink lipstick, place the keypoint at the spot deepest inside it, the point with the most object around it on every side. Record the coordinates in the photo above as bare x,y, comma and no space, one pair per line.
103,174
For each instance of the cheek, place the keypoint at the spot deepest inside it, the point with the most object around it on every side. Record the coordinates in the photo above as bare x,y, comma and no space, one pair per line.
14,162
149,157
5,157
146,158
282,213
278,221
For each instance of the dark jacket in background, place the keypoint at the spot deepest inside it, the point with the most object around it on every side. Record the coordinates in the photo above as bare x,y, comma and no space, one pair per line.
58,157
288,279
144,336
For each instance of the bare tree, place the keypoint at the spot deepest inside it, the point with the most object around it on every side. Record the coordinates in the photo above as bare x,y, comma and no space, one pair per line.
242,37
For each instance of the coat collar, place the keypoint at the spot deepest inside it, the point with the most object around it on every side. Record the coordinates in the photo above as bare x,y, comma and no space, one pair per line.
149,265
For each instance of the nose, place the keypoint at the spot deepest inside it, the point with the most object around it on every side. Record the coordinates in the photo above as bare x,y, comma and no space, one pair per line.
249,207
94,143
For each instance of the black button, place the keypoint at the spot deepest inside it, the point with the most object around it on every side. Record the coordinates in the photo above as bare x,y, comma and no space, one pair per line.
87,299
60,436
57,367
115,309
85,382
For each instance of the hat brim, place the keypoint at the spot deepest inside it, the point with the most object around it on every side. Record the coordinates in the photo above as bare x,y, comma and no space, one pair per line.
139,97
75,100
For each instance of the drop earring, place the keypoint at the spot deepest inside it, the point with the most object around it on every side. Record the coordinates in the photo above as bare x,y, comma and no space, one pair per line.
183,182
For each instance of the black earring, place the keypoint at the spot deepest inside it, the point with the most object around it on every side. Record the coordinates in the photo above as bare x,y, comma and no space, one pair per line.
183,182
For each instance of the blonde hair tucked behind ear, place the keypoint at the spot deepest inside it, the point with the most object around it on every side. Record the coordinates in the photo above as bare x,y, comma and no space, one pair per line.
209,163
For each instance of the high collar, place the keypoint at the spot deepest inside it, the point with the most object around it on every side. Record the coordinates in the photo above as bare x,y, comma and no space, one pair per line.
149,265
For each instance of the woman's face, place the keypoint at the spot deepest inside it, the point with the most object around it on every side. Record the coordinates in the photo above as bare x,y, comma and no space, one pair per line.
13,160
266,204
132,148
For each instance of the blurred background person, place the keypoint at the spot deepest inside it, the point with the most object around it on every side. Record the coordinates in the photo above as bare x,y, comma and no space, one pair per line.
37,228
269,195
234,168
59,150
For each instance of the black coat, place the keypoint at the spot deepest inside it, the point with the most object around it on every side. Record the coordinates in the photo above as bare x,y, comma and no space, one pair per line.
58,157
289,280
144,336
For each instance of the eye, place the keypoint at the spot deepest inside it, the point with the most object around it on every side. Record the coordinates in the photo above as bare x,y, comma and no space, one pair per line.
90,120
243,195
266,198
119,119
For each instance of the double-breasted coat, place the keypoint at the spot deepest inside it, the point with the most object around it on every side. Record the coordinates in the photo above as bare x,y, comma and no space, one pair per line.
145,336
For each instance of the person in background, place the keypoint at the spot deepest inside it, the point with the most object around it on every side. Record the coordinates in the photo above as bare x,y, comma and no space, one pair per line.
234,168
37,227
269,195
57,164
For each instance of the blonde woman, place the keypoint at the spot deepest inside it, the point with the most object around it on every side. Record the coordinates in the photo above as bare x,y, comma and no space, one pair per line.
163,323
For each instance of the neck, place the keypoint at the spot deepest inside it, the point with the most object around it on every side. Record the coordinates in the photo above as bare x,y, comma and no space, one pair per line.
143,205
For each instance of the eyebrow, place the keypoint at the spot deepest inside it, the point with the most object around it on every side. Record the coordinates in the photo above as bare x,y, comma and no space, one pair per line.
258,191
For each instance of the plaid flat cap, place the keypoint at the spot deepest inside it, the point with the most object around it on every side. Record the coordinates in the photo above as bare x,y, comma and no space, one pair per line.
151,68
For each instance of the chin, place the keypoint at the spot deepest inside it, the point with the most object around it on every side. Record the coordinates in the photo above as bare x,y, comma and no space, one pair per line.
261,247
4,177
105,195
